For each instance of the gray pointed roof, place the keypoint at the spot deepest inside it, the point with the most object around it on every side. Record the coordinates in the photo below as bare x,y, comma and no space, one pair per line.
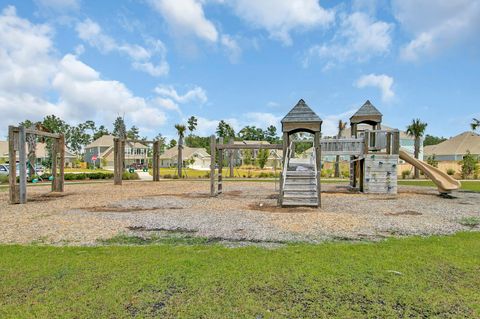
367,109
301,113
366,113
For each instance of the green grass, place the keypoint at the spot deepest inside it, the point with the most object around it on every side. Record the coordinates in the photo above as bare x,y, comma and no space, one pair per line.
436,277
466,185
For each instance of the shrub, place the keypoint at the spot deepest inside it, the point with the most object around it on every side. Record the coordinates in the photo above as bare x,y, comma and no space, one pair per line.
130,176
167,176
431,160
469,165
3,179
450,171
405,173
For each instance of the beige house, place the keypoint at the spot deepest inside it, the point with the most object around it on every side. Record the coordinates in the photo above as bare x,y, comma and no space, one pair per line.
455,147
41,154
102,149
193,157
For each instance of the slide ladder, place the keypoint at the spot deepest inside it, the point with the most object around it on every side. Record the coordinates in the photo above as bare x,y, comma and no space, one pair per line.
444,182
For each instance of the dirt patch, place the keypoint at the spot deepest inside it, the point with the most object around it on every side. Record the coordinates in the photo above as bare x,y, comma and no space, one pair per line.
172,230
118,209
276,209
47,197
404,213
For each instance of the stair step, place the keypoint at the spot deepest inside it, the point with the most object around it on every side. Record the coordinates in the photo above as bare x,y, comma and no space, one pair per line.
301,173
300,187
300,196
299,203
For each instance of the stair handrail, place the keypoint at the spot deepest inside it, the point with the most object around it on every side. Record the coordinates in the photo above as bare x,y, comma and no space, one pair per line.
285,166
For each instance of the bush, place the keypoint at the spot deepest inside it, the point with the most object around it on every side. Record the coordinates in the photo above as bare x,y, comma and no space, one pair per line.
3,179
469,165
167,176
405,173
130,176
451,171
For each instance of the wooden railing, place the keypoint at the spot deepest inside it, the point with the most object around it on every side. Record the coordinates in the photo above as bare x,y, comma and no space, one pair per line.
342,146
381,141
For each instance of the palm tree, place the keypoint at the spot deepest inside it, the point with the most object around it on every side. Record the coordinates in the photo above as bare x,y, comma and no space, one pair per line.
341,126
416,129
475,124
181,134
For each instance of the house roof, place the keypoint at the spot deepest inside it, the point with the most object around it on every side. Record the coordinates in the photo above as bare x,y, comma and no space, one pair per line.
367,112
187,152
41,150
457,145
107,141
301,112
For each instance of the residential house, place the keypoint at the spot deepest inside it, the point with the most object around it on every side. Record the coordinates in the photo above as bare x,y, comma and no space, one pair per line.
455,147
193,157
102,150
275,157
41,154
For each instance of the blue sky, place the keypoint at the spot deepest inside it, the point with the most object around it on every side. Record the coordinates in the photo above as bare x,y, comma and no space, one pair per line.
157,62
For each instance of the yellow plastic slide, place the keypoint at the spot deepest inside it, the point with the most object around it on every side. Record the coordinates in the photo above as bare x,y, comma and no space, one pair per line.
444,182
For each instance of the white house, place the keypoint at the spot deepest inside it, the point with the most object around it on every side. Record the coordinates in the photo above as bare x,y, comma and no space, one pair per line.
193,157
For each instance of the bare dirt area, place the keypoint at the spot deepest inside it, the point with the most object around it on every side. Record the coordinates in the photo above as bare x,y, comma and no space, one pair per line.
247,211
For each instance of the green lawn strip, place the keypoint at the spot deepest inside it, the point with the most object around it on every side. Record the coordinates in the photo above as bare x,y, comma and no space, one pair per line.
436,277
466,185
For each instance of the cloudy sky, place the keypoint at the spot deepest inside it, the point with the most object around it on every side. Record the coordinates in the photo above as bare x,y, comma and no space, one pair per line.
157,62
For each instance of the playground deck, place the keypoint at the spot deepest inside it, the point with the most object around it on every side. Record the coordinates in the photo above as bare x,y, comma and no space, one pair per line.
246,212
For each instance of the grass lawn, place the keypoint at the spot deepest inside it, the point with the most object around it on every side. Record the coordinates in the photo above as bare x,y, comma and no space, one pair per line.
86,170
466,185
436,277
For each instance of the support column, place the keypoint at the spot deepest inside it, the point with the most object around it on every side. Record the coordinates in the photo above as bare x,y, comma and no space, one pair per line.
213,150
55,148
14,190
117,171
231,158
60,179
318,163
22,166
286,143
156,161
220,166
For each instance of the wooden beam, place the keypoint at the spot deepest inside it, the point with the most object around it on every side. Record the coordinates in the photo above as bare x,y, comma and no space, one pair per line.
42,133
12,154
61,177
220,166
231,158
212,165
249,146
22,164
318,164
156,161
117,172
54,163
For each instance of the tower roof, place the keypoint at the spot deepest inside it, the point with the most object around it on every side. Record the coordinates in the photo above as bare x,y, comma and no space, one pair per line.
367,113
301,113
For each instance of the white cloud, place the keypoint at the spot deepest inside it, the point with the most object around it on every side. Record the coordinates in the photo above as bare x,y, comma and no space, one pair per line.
358,38
330,121
186,17
197,94
142,57
280,18
381,81
436,25
233,49
30,72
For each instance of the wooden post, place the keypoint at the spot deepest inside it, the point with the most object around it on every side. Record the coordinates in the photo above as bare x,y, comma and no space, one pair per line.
55,147
61,178
389,142
213,150
396,142
117,171
14,190
220,166
22,165
318,163
156,161
286,143
231,158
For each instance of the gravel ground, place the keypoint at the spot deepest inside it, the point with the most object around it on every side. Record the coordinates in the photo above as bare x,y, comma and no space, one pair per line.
246,212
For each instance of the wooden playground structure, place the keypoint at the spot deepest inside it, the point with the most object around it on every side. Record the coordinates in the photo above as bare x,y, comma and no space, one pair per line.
374,154
17,140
